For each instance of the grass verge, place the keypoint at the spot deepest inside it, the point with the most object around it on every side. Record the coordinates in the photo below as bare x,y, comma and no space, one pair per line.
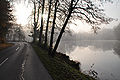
58,68
5,45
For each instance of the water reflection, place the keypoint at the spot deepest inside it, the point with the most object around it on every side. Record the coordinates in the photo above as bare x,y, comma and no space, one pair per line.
117,48
105,55
105,45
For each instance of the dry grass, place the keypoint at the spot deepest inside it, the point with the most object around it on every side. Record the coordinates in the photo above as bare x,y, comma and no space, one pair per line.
5,45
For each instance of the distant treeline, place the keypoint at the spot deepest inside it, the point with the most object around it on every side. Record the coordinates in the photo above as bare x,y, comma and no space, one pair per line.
103,34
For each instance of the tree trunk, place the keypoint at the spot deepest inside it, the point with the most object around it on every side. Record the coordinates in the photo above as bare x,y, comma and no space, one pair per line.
47,23
34,34
38,13
53,26
41,28
63,28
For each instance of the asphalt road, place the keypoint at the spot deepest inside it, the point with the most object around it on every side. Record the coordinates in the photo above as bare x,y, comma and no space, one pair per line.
20,62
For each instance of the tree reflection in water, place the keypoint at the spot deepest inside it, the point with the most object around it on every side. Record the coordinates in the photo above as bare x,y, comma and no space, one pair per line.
105,54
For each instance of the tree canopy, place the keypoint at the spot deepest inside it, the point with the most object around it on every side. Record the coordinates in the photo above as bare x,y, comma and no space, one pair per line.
5,18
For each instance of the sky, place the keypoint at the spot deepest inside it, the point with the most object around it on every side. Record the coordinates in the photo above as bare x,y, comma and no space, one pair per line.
111,10
22,12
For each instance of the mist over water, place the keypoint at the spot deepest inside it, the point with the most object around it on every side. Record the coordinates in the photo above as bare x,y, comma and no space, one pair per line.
103,54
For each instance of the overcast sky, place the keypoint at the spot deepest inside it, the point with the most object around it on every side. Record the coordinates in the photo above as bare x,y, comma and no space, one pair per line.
111,10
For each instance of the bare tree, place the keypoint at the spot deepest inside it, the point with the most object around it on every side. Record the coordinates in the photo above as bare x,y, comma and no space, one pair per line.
83,10
49,13
34,35
41,27
36,19
53,25
5,18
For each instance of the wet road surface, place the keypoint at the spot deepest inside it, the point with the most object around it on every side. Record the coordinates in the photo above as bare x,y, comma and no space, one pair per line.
20,62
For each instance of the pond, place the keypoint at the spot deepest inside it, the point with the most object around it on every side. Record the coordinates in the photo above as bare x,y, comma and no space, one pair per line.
102,56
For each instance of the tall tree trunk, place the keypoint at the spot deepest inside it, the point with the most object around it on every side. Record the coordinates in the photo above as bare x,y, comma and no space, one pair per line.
38,14
41,28
49,12
53,26
63,28
34,35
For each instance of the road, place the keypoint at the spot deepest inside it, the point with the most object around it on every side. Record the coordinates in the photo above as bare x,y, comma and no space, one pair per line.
20,62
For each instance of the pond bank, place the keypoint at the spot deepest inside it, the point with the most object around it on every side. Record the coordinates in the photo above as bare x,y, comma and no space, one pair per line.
60,67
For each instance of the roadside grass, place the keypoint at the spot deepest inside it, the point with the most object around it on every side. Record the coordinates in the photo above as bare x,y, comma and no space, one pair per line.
58,68
5,45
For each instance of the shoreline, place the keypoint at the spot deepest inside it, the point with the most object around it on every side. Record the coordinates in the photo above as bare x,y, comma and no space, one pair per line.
61,67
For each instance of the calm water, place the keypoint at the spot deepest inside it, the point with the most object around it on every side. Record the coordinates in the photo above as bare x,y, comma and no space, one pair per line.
103,55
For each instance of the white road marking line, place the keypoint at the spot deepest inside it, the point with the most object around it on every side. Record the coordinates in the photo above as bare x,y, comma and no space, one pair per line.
17,48
3,62
23,69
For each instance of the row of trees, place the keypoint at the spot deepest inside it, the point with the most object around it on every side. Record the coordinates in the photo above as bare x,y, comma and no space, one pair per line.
62,13
15,33
5,18
9,30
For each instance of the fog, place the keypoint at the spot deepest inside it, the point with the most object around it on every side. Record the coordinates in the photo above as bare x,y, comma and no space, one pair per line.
104,34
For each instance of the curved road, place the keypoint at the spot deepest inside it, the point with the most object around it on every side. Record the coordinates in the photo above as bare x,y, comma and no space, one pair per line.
20,62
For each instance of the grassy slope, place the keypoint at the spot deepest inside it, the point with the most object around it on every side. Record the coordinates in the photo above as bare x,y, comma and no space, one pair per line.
59,69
